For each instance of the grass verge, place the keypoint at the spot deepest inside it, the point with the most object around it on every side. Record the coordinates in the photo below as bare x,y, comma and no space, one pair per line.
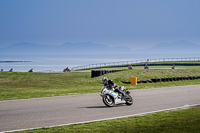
23,85
180,121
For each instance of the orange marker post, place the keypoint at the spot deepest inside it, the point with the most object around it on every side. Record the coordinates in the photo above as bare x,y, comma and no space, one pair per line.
133,80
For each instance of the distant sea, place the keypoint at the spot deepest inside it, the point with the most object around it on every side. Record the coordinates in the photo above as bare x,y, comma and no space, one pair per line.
56,63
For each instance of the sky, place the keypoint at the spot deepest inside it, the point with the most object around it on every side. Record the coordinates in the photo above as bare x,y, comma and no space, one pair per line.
136,24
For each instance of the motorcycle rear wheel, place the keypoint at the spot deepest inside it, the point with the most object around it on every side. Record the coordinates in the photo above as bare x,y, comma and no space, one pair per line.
108,101
129,101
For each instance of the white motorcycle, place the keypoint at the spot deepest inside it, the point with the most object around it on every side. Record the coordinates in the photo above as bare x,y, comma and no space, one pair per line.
111,98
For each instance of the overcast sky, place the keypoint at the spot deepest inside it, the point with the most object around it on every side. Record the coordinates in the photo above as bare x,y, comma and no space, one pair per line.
133,23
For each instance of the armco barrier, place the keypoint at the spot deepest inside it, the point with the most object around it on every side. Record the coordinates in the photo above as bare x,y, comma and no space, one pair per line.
96,73
143,61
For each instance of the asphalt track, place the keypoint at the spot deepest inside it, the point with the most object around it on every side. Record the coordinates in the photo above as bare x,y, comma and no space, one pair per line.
63,110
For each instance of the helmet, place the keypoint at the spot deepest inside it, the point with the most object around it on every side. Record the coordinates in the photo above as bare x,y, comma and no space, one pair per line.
104,80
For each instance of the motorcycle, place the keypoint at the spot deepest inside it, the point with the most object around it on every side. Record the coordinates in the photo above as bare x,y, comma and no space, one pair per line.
111,98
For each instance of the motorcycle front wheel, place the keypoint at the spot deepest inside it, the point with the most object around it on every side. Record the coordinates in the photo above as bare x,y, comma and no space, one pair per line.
108,101
129,100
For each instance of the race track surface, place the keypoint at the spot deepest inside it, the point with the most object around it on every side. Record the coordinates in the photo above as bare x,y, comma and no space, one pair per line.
42,112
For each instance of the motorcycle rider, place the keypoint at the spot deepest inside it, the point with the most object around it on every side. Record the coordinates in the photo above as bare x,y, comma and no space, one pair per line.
111,85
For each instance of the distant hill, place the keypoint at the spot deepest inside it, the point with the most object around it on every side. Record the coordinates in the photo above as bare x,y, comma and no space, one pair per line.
25,48
178,47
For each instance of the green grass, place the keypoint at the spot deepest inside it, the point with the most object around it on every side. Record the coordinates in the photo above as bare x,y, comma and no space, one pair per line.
23,85
18,85
180,121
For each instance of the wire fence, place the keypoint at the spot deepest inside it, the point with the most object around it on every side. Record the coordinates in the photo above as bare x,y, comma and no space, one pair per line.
134,61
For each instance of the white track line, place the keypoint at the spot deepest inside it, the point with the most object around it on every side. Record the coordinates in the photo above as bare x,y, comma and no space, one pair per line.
140,114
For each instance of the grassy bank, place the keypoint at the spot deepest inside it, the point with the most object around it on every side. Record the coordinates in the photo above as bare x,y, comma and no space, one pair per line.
18,85
22,85
180,121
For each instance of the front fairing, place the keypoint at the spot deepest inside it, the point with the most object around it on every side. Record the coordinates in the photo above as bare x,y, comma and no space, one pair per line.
105,91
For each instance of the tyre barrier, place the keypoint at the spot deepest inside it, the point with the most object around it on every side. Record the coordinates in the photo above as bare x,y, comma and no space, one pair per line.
96,73
165,79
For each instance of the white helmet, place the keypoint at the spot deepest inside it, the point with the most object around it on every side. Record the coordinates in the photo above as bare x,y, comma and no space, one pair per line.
104,80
